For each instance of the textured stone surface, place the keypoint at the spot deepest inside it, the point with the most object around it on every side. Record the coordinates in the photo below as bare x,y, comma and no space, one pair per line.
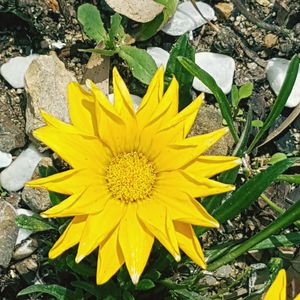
46,82
14,177
187,18
14,70
8,232
276,71
35,198
25,249
12,132
208,120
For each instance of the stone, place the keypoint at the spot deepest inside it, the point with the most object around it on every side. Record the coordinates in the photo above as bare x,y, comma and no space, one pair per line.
37,199
14,70
159,55
225,271
225,9
23,234
187,18
5,159
12,123
209,119
8,232
14,177
135,99
221,67
27,265
46,82
270,40
276,70
25,249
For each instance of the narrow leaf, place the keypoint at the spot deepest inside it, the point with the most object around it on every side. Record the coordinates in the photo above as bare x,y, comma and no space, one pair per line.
280,101
104,52
140,63
32,223
181,48
290,178
57,291
90,19
234,96
250,191
290,216
221,98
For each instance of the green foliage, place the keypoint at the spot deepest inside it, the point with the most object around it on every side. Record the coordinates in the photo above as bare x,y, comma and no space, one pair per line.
243,92
33,223
90,19
257,123
174,68
277,157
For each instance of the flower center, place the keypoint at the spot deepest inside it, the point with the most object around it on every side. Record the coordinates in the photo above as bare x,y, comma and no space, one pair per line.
130,177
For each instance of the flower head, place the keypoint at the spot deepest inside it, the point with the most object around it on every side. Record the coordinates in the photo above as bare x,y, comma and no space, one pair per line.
134,176
277,291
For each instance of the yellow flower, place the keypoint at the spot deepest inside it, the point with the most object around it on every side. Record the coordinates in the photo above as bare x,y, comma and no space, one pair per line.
134,176
277,291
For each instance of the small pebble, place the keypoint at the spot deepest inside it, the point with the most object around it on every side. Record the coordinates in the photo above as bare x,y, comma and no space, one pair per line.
159,55
5,159
14,70
25,249
14,177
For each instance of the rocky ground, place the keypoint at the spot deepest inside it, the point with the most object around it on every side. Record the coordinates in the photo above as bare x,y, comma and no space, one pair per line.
51,28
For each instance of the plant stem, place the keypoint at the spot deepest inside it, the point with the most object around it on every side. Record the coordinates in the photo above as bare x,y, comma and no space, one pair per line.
286,219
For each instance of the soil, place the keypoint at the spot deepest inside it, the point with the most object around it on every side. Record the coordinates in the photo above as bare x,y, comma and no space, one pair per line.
34,25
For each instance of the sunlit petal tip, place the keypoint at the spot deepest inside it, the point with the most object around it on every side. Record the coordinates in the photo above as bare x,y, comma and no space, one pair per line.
135,277
238,161
79,258
89,84
43,215
177,258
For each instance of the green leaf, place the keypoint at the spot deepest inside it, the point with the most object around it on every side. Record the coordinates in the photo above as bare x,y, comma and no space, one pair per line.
149,29
47,171
250,191
56,198
127,296
234,96
92,289
257,123
90,19
33,223
81,268
145,284
245,91
182,47
221,98
277,157
280,101
139,61
57,291
283,221
290,178
104,52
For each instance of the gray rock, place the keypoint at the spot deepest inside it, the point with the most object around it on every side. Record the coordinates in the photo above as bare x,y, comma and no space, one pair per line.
35,198
224,272
46,82
12,133
208,120
25,249
27,265
20,171
8,232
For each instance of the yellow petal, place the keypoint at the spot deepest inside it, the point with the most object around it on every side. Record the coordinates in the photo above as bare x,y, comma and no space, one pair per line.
92,200
297,297
208,166
110,257
77,150
196,187
277,291
136,243
155,217
82,109
68,182
183,152
69,238
151,99
189,243
184,208
99,226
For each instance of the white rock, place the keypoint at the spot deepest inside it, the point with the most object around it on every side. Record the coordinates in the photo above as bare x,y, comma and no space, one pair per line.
220,67
23,234
135,99
187,18
5,159
58,45
159,55
20,171
276,71
14,70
